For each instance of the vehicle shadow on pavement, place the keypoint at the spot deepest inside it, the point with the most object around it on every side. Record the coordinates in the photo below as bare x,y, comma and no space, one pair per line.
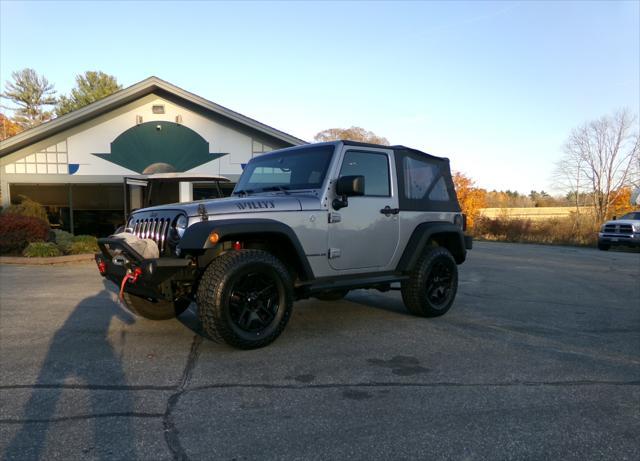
372,298
79,352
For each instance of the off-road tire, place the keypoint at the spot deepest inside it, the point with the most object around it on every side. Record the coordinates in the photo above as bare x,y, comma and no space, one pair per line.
154,310
218,284
417,291
333,295
604,246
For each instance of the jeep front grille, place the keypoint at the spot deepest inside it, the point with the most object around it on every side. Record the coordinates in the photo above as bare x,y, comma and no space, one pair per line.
156,229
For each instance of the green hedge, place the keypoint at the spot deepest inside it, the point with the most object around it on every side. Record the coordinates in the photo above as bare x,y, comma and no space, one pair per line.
41,250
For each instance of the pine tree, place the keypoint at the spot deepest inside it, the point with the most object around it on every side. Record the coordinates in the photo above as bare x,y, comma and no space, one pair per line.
90,87
31,93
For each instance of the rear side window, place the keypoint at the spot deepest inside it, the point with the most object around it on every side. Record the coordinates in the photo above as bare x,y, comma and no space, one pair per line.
439,192
424,182
418,177
373,166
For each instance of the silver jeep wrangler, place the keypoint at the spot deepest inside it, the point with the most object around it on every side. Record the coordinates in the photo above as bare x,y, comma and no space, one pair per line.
311,221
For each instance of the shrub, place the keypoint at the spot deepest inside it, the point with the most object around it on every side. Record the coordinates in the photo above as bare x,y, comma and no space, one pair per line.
27,207
17,231
573,230
41,250
63,239
83,244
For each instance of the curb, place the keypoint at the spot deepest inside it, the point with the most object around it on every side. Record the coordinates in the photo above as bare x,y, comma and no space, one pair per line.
69,259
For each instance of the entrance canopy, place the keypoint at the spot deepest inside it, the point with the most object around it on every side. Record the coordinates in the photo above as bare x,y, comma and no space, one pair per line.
146,190
145,179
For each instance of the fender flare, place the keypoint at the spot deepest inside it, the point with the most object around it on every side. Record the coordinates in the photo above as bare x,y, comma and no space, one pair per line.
196,237
420,237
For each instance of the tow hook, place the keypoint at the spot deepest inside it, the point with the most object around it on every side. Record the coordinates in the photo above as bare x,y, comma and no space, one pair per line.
131,277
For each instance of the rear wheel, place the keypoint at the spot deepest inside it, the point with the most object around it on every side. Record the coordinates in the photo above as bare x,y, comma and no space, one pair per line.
245,298
432,285
154,309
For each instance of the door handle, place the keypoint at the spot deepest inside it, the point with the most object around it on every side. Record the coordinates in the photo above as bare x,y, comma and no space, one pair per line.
387,211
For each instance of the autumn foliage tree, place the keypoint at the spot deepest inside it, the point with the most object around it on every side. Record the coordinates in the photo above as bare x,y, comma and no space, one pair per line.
355,133
8,128
471,198
622,204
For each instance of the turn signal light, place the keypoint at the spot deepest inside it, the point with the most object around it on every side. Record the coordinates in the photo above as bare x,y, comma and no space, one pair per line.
102,267
214,237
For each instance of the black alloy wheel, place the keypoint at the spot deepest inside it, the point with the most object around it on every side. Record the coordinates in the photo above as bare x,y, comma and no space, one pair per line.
432,284
254,299
245,298
439,284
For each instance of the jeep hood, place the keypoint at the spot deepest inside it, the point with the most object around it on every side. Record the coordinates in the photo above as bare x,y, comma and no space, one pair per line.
249,204
623,221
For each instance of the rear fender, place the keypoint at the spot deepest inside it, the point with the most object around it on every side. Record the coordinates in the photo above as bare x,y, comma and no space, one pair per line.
447,235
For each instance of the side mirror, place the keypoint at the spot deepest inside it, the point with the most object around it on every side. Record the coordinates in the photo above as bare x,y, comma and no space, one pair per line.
350,186
614,217
347,186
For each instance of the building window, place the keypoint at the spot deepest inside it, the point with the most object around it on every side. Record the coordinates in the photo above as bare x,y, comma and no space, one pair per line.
157,109
258,148
52,160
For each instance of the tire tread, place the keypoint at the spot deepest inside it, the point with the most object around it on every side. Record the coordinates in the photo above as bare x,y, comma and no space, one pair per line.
213,284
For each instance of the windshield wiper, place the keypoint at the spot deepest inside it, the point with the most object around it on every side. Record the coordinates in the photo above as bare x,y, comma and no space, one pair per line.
284,189
243,192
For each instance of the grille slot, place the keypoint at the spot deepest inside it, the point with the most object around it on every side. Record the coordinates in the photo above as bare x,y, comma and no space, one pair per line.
618,229
156,229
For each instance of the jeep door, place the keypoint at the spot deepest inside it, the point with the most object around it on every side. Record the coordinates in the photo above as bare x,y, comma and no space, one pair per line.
364,234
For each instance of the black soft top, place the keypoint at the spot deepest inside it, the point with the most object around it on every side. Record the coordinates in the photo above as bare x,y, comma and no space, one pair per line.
397,147
413,167
424,180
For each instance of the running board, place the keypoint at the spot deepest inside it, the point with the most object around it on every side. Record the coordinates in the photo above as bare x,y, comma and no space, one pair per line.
352,283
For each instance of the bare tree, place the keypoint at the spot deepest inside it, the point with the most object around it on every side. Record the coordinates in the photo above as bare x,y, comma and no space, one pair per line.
600,158
355,133
568,177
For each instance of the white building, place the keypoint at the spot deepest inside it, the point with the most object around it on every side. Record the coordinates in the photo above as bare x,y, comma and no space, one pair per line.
75,164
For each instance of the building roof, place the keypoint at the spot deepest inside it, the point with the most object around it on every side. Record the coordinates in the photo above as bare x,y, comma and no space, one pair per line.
151,85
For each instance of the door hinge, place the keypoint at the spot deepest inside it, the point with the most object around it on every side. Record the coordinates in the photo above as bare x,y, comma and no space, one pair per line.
335,217
334,253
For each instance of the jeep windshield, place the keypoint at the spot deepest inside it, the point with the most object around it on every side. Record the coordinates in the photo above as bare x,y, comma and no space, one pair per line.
295,169
632,216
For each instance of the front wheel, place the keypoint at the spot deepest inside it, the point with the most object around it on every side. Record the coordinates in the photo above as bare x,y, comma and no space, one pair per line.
432,284
603,246
245,298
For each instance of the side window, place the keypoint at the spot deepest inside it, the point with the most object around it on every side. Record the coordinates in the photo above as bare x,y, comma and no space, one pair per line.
419,176
373,166
439,192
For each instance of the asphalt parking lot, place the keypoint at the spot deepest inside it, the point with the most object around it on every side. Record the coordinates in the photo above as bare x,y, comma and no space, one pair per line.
539,358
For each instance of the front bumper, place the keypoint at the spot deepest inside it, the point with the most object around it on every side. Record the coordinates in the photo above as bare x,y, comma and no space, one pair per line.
156,279
619,239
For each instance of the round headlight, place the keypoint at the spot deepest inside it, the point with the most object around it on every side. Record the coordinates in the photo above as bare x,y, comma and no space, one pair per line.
181,224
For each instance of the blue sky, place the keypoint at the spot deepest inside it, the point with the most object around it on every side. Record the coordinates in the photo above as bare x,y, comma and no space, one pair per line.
494,86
